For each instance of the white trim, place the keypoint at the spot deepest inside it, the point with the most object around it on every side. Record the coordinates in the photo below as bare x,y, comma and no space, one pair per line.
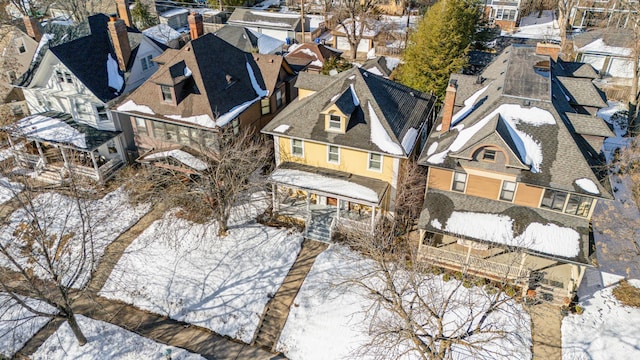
394,184
466,181
329,152
276,145
369,162
302,146
515,189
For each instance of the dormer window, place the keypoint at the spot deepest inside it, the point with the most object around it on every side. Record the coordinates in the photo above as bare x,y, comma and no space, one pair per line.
335,122
167,96
59,76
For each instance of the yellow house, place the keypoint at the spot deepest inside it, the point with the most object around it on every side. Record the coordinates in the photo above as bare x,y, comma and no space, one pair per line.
340,147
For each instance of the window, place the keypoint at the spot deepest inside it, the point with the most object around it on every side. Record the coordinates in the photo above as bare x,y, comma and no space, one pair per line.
489,155
172,132
235,123
166,93
22,49
11,75
278,98
266,106
17,110
553,199
459,181
375,162
499,14
146,62
508,190
333,154
297,148
578,205
82,108
335,122
141,126
102,113
59,76
68,78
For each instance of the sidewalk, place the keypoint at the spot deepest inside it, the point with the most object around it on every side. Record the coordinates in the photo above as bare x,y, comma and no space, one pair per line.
546,333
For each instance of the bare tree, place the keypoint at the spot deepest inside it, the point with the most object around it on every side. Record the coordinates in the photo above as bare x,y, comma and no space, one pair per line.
354,18
47,250
564,21
413,311
224,177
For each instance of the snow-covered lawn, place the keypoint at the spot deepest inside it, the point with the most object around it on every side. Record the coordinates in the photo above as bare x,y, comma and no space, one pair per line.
106,342
185,271
17,324
328,321
8,189
103,220
606,329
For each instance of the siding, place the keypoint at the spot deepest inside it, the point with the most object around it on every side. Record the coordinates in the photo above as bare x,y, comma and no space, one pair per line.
483,187
440,179
528,195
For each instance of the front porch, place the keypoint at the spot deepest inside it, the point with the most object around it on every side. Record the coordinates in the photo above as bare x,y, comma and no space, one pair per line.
326,200
551,280
53,147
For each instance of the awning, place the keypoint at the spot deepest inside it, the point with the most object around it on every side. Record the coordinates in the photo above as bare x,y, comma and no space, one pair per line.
331,183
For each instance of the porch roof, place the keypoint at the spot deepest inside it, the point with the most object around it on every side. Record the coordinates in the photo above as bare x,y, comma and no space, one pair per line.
183,157
543,232
330,182
60,128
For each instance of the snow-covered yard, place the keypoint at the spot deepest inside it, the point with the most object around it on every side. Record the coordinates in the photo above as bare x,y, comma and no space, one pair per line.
328,321
106,342
103,220
544,27
185,271
606,329
17,324
8,189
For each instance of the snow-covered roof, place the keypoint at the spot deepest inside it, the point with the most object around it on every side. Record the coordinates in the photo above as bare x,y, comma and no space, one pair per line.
162,33
182,156
599,46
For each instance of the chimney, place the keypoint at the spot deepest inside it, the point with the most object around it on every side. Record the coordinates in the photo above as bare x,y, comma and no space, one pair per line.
551,50
196,27
33,27
447,107
123,11
120,39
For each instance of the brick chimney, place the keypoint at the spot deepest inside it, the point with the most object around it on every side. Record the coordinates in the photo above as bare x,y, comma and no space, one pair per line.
551,50
196,27
120,40
33,27
123,12
447,107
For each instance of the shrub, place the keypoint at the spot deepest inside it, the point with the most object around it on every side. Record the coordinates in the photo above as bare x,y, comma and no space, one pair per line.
446,277
436,270
490,289
510,290
467,283
627,294
579,309
458,275
480,282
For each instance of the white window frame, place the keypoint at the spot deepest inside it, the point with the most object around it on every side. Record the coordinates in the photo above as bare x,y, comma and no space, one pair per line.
235,124
454,181
104,111
279,101
329,153
334,122
293,153
146,62
502,190
141,130
369,167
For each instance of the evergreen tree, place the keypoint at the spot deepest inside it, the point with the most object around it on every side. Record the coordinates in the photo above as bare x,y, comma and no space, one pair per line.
439,45
142,17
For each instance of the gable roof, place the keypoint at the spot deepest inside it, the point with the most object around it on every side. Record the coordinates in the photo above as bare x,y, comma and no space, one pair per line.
311,54
218,82
589,125
313,82
582,92
386,118
579,70
534,126
378,66
270,67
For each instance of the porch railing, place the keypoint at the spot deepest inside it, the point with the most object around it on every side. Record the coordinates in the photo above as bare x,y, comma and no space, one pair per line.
458,261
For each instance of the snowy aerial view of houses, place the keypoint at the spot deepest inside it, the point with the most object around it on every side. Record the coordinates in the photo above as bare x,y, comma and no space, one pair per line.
320,179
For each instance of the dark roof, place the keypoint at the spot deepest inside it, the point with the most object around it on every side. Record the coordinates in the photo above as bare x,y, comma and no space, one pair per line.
520,80
480,58
582,92
397,107
589,125
93,137
305,54
439,205
619,37
243,38
579,70
219,80
314,82
560,148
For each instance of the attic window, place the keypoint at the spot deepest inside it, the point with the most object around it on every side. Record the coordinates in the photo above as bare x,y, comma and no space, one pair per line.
59,76
166,93
489,155
146,62
335,122
68,78
22,49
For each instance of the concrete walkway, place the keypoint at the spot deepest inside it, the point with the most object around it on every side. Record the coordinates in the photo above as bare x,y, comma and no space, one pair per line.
546,322
277,309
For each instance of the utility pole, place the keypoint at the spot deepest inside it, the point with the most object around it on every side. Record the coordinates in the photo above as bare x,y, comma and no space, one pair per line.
302,16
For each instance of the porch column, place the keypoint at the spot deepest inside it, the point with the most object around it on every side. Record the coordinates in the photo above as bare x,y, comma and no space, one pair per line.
308,201
524,257
64,158
466,261
95,166
524,281
274,197
373,218
41,153
338,209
